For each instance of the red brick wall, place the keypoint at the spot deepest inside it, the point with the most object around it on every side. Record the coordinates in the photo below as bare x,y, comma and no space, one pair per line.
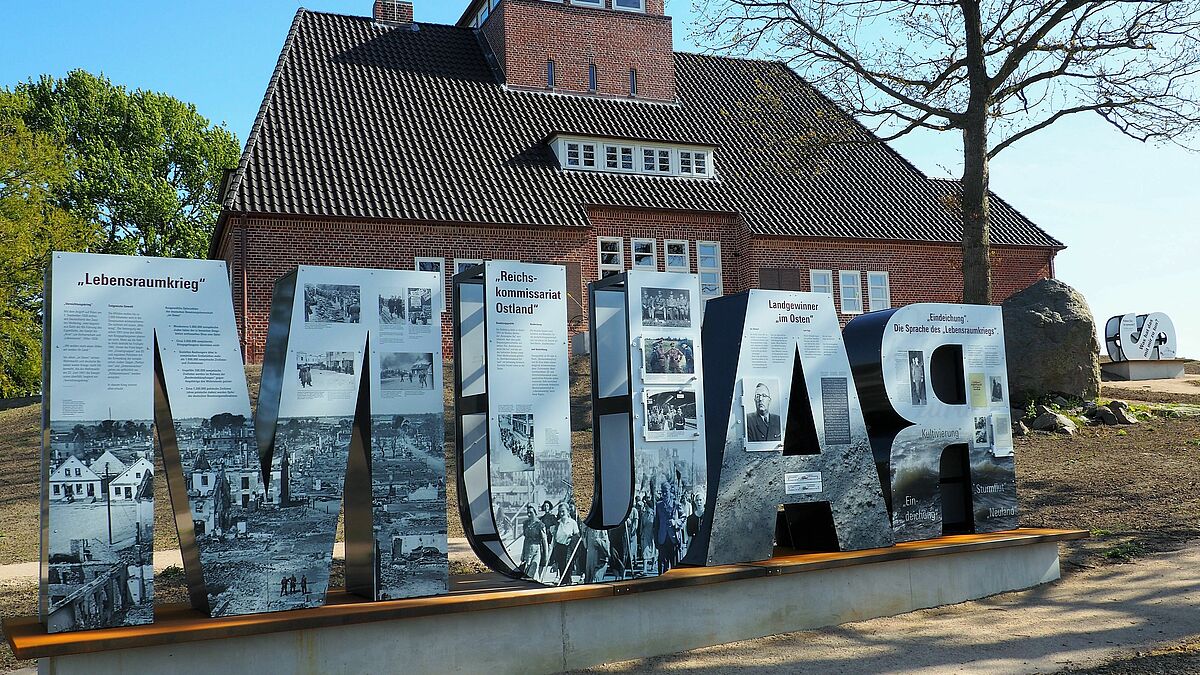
536,31
272,247
918,272
393,11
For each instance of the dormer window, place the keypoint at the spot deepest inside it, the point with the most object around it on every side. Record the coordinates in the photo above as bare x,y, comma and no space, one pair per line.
616,156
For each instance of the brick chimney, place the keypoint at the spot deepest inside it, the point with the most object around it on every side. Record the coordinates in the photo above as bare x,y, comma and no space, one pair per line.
393,11
614,48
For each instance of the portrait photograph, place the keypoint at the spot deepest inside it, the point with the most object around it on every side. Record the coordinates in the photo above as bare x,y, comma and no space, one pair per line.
764,424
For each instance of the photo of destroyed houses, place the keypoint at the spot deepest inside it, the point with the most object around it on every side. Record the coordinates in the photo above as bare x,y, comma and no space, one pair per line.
265,547
420,306
331,303
406,371
391,307
408,480
101,523
326,371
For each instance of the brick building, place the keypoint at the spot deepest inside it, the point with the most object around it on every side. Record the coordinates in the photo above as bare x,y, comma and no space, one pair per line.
569,132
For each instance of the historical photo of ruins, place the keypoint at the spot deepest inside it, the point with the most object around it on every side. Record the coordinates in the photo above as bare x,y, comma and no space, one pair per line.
266,547
326,371
101,522
406,371
408,480
331,303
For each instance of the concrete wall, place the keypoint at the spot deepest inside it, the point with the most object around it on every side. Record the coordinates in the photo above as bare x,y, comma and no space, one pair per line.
564,635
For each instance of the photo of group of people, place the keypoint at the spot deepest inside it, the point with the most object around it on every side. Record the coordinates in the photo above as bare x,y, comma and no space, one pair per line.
331,303
516,435
406,371
667,307
666,359
670,414
412,306
326,371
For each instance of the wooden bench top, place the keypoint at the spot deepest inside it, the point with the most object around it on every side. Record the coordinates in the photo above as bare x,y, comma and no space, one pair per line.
475,592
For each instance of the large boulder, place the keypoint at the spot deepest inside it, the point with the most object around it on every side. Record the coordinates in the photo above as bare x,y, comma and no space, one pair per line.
1050,337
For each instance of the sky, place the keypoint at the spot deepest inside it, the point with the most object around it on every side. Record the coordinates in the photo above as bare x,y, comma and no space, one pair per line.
1129,213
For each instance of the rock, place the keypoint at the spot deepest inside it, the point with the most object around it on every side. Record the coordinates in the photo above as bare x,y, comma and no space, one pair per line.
1061,402
1019,429
1089,407
1055,423
1121,413
1040,410
1105,416
1050,339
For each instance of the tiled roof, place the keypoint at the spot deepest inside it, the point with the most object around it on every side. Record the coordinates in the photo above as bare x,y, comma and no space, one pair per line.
366,121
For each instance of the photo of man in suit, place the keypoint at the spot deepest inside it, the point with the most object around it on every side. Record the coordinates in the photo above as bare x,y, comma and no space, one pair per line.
762,424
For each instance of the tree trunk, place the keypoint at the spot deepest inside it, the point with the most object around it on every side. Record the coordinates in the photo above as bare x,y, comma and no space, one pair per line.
973,195
976,213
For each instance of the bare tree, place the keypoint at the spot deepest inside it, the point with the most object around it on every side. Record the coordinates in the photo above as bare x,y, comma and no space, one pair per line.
996,71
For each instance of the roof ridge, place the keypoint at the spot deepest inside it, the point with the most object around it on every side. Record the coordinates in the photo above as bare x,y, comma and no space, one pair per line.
255,129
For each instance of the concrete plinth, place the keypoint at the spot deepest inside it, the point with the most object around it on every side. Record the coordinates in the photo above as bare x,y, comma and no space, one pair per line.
1134,371
582,630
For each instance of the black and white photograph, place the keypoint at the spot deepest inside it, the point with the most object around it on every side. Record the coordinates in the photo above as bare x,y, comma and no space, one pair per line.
667,307
995,389
392,304
667,358
420,306
326,371
406,371
517,437
101,521
331,303
670,414
983,431
916,378
232,509
408,482
761,405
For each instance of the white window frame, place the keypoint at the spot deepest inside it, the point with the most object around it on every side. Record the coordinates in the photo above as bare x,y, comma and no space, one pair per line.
594,154
843,287
687,257
441,289
573,147
815,287
613,162
601,267
593,3
701,166
685,162
458,262
583,155
886,303
659,155
702,269
652,255
641,8
631,152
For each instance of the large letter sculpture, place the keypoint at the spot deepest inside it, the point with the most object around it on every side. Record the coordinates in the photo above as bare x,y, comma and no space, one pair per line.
1140,337
934,384
784,427
513,407
118,328
648,417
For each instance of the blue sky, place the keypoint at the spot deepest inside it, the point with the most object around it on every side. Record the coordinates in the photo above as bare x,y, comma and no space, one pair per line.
1129,212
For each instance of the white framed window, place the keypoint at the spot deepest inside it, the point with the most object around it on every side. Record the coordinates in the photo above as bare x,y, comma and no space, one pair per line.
574,155
879,291
850,286
594,3
630,5
589,155
708,264
627,158
611,158
610,256
434,265
700,163
648,162
645,254
685,162
463,264
664,160
820,281
678,258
